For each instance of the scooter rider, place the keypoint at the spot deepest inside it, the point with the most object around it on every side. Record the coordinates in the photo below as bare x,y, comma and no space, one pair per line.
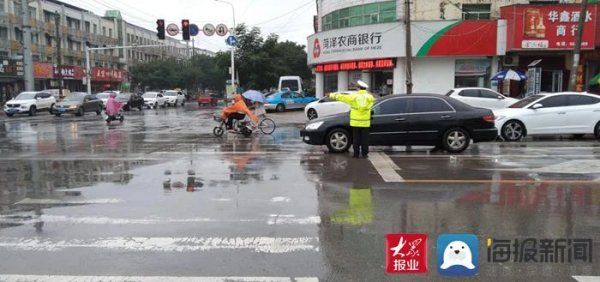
360,103
237,111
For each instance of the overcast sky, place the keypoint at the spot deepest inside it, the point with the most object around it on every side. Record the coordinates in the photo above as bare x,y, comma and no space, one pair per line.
290,19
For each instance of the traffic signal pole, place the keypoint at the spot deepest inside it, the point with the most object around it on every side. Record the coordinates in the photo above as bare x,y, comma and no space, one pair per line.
232,32
88,71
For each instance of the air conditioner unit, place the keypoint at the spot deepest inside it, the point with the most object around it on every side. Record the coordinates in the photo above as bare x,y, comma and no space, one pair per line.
510,60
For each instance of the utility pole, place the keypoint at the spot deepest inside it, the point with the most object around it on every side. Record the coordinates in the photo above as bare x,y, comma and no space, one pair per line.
58,53
27,60
577,49
408,48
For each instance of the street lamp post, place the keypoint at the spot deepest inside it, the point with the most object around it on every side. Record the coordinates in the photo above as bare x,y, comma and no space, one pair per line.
232,32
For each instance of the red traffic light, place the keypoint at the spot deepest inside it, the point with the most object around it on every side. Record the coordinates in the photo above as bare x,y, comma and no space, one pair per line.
160,23
185,23
185,29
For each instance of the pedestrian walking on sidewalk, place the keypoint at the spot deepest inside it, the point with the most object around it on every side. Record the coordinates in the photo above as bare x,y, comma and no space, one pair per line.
360,103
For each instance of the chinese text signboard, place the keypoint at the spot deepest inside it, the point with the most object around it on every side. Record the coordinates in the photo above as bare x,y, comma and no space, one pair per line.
102,74
548,26
11,67
356,65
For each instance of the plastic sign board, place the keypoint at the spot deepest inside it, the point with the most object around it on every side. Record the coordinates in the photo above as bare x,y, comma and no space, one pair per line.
221,30
208,29
172,29
231,40
194,30
357,65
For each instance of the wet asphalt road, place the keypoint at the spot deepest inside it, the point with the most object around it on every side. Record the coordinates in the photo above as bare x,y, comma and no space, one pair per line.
159,196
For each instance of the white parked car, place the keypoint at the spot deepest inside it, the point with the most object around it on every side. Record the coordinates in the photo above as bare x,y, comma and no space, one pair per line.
154,100
104,96
550,114
30,103
174,97
325,107
481,97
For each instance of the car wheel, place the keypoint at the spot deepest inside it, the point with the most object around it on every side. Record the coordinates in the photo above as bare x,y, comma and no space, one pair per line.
456,140
280,108
338,140
32,111
80,112
99,110
513,130
312,114
50,110
597,131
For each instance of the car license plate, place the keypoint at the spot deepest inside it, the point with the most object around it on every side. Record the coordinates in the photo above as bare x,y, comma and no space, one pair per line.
11,110
62,110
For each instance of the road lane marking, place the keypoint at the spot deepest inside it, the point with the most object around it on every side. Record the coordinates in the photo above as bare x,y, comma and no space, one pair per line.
69,278
29,201
99,220
587,278
168,244
385,167
508,181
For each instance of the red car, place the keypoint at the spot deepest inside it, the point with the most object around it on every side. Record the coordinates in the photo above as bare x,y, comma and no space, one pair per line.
207,100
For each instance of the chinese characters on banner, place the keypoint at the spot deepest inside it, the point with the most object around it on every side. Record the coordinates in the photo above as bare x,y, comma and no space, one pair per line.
532,250
549,26
357,65
406,253
352,40
102,74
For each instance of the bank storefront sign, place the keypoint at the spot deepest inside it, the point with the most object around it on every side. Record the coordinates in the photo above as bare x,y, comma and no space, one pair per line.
430,38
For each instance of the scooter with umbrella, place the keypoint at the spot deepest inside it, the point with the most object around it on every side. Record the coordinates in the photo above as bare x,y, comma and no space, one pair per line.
265,124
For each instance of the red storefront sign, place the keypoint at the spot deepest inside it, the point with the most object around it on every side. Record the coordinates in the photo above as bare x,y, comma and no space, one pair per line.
69,72
548,26
43,70
102,74
356,65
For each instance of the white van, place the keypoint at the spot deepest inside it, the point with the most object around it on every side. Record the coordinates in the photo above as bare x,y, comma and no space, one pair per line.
293,83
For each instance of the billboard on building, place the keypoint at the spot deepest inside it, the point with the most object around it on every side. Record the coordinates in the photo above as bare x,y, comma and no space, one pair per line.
543,27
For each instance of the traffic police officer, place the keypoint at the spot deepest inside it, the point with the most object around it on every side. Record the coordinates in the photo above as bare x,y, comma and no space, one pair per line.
360,103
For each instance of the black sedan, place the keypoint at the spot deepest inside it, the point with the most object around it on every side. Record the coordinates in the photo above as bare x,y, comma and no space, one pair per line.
417,119
131,101
78,103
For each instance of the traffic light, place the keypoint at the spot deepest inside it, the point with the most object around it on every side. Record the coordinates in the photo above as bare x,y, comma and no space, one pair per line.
160,27
185,29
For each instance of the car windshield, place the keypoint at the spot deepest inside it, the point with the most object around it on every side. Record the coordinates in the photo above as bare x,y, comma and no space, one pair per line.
26,96
149,95
170,93
103,95
526,101
75,97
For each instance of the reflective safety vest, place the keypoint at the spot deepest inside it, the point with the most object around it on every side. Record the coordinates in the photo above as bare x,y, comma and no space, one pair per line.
360,103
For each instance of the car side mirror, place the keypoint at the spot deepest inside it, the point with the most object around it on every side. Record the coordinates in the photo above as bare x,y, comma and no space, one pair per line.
500,97
537,106
38,98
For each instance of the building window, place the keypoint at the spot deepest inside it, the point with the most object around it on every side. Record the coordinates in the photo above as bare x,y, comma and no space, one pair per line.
48,40
110,32
382,12
104,31
95,29
48,16
3,33
87,27
476,11
2,10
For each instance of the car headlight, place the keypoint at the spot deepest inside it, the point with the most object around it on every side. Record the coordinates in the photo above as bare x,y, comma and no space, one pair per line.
314,125
73,107
500,117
